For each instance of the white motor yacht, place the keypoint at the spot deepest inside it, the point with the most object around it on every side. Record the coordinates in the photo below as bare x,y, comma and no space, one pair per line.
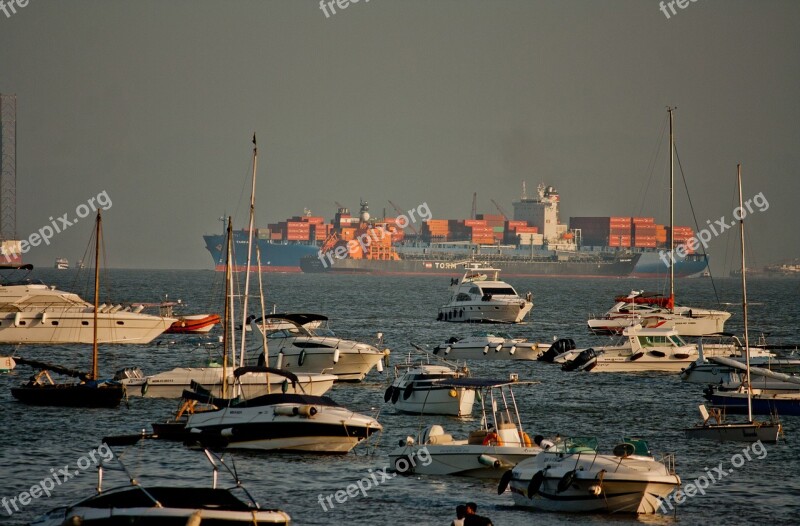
41,314
572,476
498,444
416,389
304,343
480,297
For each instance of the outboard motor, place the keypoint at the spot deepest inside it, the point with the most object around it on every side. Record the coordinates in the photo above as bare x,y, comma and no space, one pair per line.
582,359
559,346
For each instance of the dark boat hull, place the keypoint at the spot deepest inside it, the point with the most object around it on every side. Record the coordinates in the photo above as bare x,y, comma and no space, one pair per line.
761,406
597,268
70,395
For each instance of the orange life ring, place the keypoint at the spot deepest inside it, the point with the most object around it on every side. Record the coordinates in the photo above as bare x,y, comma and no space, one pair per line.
492,439
525,439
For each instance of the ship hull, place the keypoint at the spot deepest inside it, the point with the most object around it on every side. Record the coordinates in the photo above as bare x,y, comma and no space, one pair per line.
275,257
454,268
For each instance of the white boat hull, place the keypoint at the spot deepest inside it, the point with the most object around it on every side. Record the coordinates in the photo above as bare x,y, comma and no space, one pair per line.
486,312
437,402
461,459
171,384
90,516
352,365
744,432
75,327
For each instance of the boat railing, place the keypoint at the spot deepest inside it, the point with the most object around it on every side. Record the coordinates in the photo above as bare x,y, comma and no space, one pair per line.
668,460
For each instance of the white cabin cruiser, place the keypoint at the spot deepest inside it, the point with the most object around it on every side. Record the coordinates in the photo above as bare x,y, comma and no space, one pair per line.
32,312
480,297
303,343
279,422
416,389
497,445
572,476
490,346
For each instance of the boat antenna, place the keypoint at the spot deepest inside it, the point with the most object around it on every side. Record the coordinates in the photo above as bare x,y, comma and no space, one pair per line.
98,236
249,251
744,296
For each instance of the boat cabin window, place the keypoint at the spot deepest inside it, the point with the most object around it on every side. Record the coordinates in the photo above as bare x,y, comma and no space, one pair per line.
651,341
677,340
474,290
463,297
499,291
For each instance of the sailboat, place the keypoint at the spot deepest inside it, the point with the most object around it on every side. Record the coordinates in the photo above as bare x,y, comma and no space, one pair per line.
89,392
172,383
751,430
688,321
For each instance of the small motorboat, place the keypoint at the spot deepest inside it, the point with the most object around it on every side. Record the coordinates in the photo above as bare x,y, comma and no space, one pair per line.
279,422
139,503
480,297
484,345
497,445
571,476
7,364
304,343
184,323
416,389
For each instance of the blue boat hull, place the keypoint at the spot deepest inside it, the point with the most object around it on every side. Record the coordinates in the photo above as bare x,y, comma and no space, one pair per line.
275,257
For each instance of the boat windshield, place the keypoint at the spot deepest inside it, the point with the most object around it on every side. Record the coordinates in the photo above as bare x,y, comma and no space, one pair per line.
652,341
322,331
677,340
578,445
499,291
285,333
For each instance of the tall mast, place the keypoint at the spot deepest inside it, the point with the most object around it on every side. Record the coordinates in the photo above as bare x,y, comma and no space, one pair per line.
249,250
227,313
98,234
263,316
671,213
744,295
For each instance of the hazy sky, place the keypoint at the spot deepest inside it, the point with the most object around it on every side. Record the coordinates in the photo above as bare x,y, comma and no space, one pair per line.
414,101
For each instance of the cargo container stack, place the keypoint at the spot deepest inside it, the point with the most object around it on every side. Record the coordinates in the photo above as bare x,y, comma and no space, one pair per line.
435,230
644,232
603,231
682,235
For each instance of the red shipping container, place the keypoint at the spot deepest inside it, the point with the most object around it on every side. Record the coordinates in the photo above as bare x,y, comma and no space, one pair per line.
527,230
474,222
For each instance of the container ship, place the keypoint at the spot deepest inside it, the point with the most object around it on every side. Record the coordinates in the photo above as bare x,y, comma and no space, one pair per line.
532,244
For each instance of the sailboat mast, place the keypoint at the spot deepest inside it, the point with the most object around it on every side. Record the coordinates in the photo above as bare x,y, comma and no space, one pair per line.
744,295
98,234
227,313
249,250
263,328
671,213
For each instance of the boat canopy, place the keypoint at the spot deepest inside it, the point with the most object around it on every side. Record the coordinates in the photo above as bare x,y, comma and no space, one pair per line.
300,318
270,370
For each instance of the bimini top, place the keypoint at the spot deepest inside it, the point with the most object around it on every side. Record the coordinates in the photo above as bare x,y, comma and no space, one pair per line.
300,318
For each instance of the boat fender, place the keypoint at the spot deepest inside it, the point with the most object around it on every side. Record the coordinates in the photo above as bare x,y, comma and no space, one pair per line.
17,319
302,358
513,350
283,410
439,316
461,313
455,313
408,390
395,395
307,410
566,481
145,385
596,490
44,317
637,355
680,356
436,350
658,354
403,465
453,393
388,394
379,366
285,386
504,482
336,355
492,439
279,363
535,483
491,462
525,439
227,432
448,349
499,346
485,349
